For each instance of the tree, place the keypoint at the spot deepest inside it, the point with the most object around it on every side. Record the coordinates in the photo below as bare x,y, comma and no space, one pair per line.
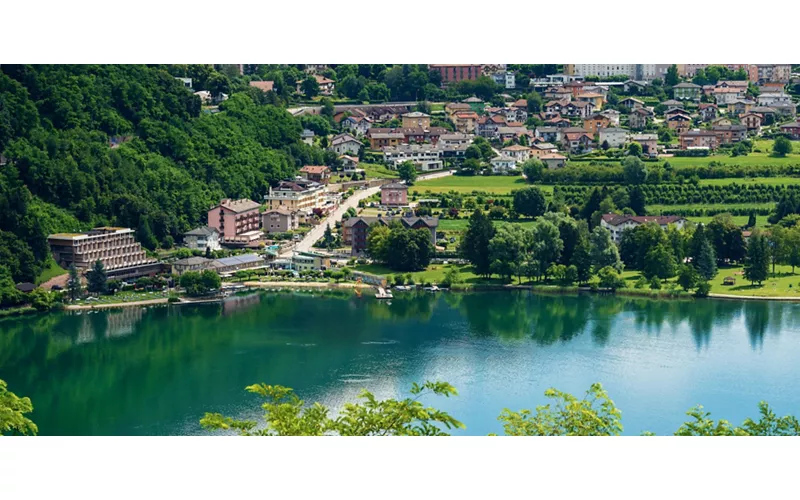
782,146
637,200
475,242
611,278
659,262
671,78
687,277
73,283
533,169
97,279
310,87
452,277
706,260
12,413
409,249
507,249
634,170
582,259
604,251
407,172
9,295
793,242
779,250
530,201
285,414
547,245
200,283
634,149
756,266
378,241
594,415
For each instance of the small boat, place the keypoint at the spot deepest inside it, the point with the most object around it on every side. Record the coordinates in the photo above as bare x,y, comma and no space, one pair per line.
432,288
383,294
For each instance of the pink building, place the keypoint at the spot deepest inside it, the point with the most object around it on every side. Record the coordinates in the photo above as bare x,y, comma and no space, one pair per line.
456,72
394,195
234,217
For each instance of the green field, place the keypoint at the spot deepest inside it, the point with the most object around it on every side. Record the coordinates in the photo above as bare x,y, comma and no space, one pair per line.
753,159
496,184
377,171
718,208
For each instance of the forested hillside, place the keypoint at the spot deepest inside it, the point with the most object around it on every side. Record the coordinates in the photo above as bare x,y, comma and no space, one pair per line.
62,174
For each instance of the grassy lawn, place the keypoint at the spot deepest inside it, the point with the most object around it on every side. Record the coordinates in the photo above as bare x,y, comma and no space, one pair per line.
51,271
377,171
752,159
433,274
739,220
783,284
497,184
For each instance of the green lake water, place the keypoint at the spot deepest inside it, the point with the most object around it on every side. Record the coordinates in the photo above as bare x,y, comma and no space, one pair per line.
156,370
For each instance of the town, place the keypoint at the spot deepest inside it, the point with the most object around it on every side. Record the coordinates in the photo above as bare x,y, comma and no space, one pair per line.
487,163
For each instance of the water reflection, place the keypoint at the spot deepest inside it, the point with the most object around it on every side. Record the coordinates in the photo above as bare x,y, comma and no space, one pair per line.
137,368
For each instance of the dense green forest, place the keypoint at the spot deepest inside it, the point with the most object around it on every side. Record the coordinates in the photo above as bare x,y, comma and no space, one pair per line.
61,174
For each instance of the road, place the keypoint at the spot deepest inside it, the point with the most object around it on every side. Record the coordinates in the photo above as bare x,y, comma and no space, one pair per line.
318,231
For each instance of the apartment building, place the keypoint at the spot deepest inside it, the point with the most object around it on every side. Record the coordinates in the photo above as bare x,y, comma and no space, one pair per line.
234,217
457,72
298,194
425,156
115,247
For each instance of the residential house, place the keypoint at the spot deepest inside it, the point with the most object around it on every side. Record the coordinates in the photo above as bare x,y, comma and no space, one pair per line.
699,139
686,91
725,96
612,115
558,94
394,194
649,143
359,125
595,98
307,136
708,111
316,173
503,164
553,160
326,85
752,121
487,126
729,134
465,121
235,218
515,114
635,86
204,95
549,134
310,261
639,118
190,264
767,113
519,153
520,103
298,194
345,144
555,108
511,133
506,79
631,103
579,109
679,122
558,121
355,229
455,138
792,130
577,142
416,119
280,220
425,157
773,98
454,107
350,164
202,238
614,136
722,121
594,123
476,104
784,109
187,82
539,149
672,103
380,140
741,107
265,86
616,224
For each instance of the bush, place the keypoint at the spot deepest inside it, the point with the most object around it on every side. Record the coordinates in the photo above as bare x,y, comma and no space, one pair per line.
703,289
655,283
640,283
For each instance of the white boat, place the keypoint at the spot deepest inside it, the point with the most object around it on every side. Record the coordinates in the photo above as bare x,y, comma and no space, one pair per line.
383,294
432,288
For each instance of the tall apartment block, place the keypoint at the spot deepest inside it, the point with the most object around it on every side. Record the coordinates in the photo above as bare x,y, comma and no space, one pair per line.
237,221
115,247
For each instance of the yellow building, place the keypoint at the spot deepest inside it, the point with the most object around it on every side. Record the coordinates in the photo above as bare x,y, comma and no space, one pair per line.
416,120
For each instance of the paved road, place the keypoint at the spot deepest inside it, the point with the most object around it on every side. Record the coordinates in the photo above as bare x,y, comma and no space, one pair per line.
318,231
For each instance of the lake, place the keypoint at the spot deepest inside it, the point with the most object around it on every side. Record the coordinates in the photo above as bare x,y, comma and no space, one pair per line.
155,371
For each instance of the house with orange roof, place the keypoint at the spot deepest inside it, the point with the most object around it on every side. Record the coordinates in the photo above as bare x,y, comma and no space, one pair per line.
265,86
595,122
316,173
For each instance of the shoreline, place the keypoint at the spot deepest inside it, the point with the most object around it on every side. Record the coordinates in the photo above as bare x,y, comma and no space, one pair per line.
86,307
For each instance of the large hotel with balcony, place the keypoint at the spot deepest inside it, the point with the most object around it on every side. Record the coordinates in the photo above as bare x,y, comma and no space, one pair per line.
115,247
